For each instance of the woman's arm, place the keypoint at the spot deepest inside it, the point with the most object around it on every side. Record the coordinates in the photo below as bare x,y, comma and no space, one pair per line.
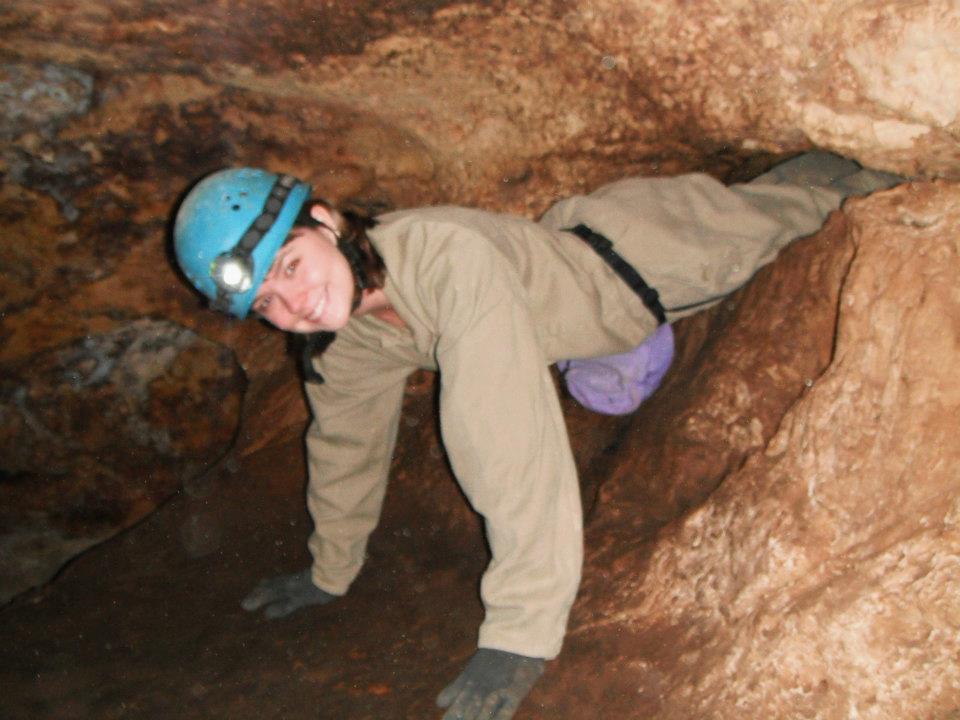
349,447
505,435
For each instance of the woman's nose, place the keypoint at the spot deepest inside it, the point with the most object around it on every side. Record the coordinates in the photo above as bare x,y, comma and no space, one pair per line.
294,299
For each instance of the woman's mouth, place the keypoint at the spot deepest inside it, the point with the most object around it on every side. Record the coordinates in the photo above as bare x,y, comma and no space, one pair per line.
317,311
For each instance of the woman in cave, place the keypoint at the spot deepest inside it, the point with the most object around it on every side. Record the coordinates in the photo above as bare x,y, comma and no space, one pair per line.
489,301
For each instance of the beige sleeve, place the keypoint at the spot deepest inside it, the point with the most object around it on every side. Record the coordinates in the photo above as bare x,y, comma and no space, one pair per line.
505,435
349,447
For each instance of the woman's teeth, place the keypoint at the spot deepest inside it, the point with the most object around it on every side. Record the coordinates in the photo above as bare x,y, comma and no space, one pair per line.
317,311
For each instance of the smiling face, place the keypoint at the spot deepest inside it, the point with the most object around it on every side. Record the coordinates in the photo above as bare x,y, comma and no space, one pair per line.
309,287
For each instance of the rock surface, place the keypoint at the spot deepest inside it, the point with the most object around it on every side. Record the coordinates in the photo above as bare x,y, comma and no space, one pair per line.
821,579
96,433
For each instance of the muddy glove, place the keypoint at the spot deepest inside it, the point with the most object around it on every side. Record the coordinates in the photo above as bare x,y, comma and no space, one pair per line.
284,594
491,686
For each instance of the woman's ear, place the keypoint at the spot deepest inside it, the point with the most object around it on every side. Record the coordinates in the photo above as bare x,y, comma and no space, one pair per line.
328,217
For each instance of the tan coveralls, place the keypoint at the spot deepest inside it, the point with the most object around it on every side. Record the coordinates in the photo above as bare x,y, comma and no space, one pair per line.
491,301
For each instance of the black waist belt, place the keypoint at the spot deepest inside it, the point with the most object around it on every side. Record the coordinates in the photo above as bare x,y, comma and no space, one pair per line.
604,248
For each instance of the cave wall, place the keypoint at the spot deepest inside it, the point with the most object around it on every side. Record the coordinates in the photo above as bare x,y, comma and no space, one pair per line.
116,390
821,579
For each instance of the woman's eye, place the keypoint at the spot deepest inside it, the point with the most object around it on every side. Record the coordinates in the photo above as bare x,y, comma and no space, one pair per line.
262,304
290,267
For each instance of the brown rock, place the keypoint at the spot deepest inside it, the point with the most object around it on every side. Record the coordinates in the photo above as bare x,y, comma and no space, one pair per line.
818,580
96,433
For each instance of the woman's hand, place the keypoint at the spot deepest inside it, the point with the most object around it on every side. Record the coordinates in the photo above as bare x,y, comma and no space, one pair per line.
285,594
491,686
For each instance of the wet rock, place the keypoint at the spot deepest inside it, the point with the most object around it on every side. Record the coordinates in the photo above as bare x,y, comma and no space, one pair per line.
98,432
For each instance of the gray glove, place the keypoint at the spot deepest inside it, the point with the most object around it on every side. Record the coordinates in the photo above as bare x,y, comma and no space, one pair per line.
284,594
491,686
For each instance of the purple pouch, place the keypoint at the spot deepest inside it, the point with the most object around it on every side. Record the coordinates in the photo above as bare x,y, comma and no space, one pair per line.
617,384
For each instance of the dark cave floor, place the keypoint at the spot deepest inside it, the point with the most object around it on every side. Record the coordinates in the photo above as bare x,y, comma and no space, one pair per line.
149,624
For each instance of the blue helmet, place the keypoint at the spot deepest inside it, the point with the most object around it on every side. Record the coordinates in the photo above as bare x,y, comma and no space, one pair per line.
229,228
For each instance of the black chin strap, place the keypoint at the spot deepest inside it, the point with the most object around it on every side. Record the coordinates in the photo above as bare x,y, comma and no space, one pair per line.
316,343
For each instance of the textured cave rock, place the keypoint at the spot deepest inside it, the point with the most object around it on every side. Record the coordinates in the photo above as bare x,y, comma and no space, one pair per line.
96,433
108,365
821,578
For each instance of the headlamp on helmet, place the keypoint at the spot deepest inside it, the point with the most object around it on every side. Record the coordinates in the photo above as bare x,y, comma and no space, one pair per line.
232,271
